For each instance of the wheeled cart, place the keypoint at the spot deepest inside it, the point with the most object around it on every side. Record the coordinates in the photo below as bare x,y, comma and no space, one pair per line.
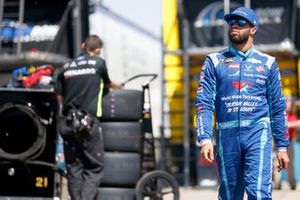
130,164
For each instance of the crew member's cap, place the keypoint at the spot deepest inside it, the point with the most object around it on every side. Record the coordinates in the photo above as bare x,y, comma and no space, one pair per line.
243,12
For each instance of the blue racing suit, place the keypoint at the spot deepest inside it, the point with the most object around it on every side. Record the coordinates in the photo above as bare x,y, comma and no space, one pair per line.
244,91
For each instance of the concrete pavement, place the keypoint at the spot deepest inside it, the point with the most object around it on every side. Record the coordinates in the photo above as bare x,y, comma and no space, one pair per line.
197,193
187,193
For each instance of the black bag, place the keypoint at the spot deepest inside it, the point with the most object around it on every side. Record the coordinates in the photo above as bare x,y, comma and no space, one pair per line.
75,121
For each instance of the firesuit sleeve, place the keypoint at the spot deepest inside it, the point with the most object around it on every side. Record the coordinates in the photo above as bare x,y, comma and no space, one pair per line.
204,102
277,106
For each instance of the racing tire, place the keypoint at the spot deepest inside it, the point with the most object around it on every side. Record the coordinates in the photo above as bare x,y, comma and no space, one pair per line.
122,105
38,139
122,136
121,169
157,185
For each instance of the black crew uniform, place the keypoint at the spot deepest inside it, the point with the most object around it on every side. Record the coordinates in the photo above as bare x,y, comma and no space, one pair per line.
81,83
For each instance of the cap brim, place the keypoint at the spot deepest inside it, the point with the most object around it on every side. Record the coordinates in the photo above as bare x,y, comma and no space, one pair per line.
230,15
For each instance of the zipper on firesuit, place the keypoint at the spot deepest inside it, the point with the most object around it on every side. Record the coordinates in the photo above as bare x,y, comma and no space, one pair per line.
239,99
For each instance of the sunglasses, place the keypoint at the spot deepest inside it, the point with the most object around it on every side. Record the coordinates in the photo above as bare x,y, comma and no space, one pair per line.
240,22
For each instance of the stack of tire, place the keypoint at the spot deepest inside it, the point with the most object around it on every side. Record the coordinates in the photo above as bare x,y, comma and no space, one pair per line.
122,129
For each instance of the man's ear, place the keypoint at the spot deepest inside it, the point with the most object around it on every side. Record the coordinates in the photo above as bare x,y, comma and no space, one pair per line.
253,30
82,46
97,51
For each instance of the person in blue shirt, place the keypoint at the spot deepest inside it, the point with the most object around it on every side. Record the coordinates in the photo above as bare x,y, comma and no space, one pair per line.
243,87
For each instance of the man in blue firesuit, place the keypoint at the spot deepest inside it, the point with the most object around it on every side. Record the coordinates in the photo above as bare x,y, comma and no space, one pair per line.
243,87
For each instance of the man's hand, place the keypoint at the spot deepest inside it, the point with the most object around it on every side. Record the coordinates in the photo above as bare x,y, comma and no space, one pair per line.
115,85
283,160
207,152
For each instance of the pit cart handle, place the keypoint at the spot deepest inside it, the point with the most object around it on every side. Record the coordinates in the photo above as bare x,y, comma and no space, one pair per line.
153,76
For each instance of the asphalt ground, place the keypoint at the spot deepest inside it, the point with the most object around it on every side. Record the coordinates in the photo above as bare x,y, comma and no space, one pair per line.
194,193
197,193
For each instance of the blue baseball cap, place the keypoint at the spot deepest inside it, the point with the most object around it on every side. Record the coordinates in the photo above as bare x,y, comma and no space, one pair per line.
243,12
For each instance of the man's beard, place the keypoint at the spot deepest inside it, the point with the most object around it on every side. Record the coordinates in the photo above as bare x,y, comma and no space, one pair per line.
240,39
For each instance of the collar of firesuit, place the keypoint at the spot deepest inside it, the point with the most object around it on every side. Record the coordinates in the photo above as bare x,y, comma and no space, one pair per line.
237,52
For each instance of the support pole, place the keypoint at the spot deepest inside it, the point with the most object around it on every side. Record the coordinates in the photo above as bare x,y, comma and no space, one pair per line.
20,24
187,95
77,24
1,20
226,11
247,3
